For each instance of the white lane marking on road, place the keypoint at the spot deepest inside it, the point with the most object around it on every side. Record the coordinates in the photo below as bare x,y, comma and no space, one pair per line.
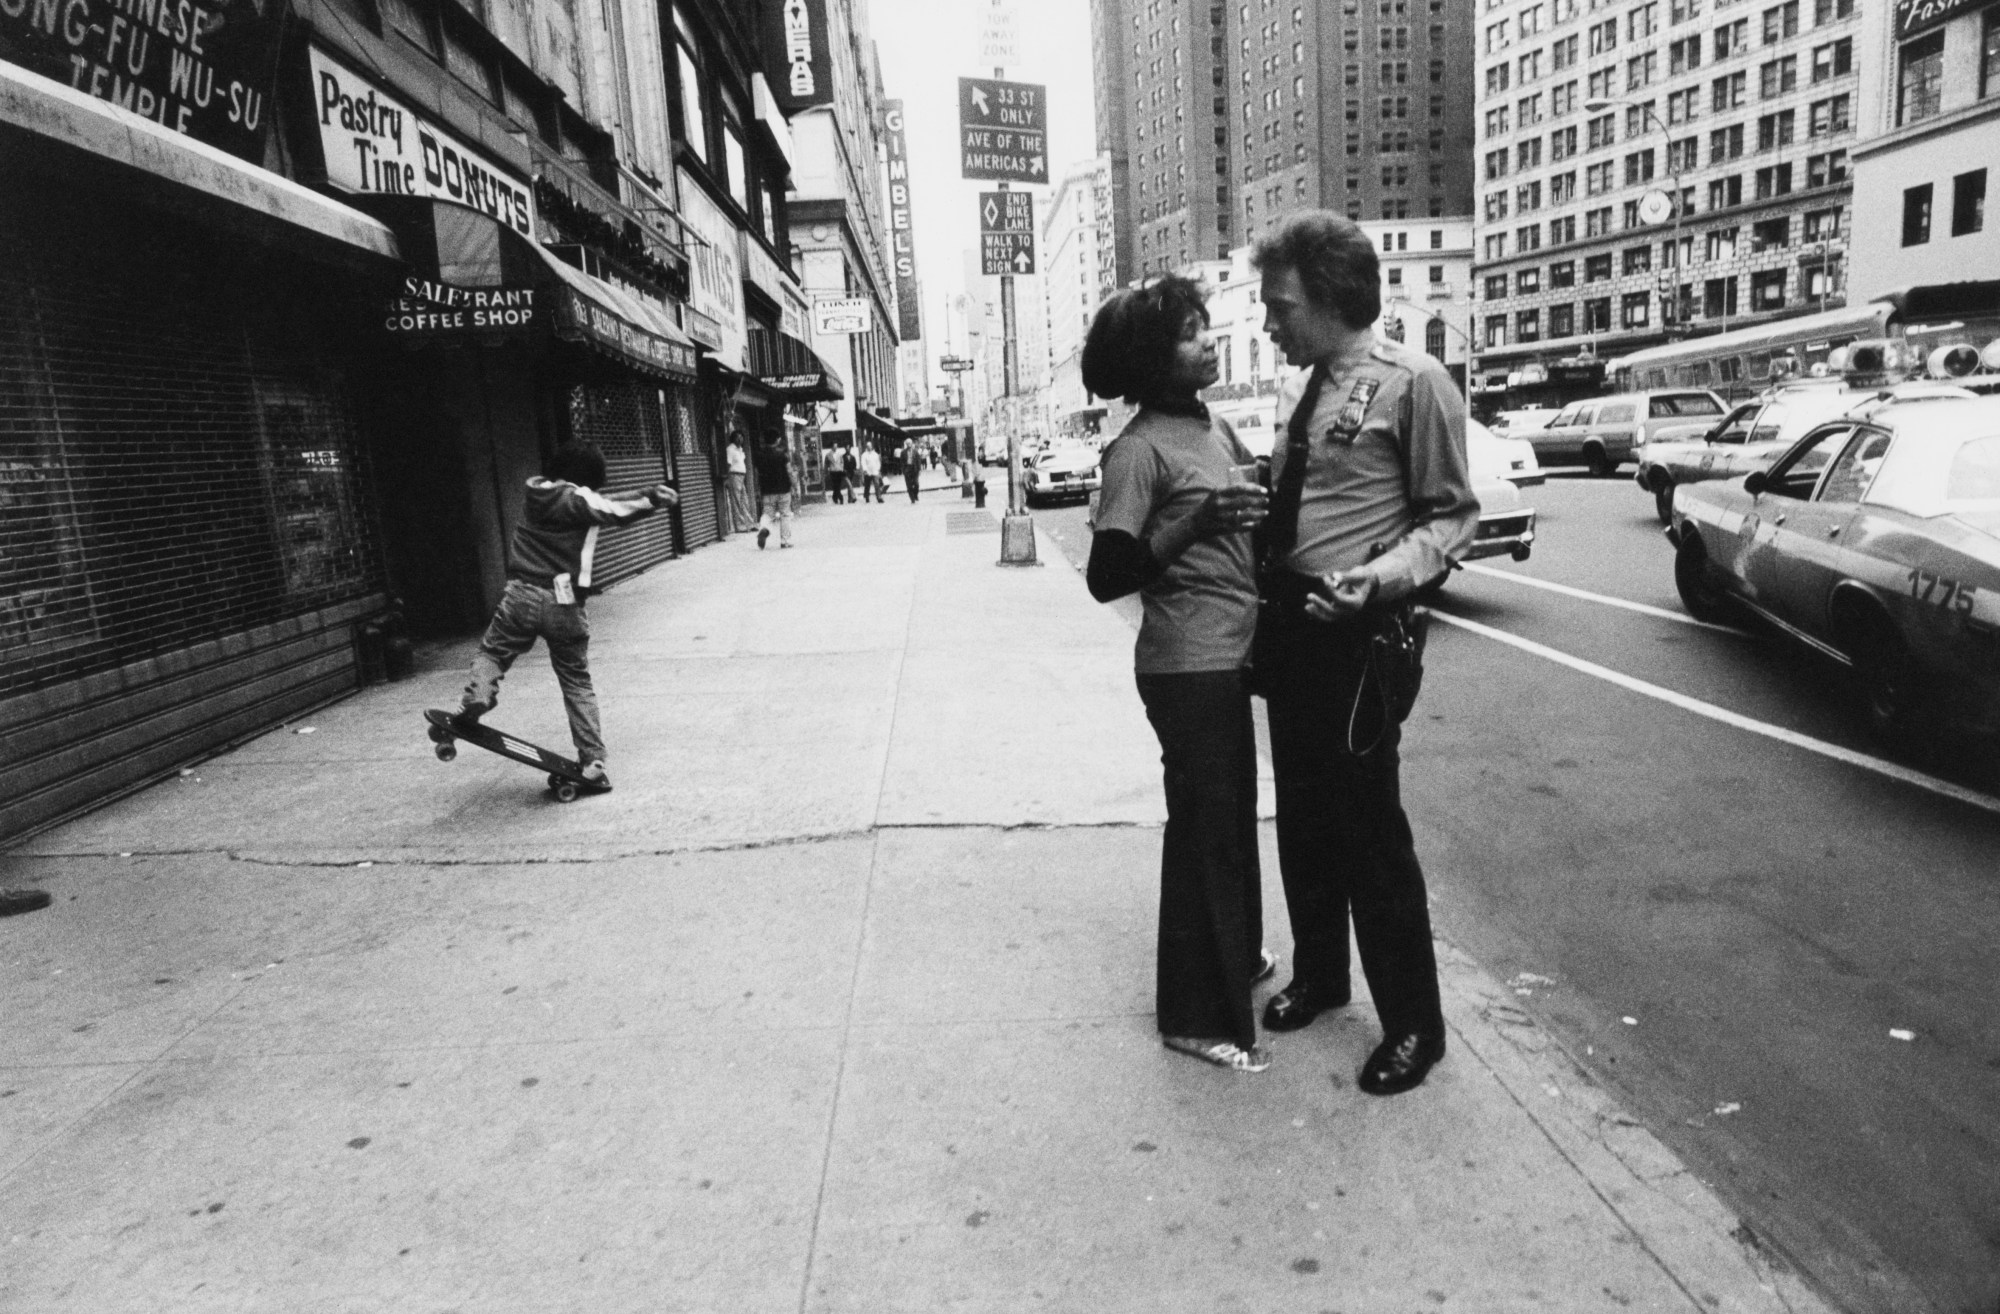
1601,598
1848,756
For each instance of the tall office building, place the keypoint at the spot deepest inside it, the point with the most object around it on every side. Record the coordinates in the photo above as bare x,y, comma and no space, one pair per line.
1231,116
1657,167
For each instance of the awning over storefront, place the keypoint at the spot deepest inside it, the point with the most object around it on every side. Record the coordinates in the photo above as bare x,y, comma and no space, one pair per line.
617,322
791,369
874,426
247,198
476,279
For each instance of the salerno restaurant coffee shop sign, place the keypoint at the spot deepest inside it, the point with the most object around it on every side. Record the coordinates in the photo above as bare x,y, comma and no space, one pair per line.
375,144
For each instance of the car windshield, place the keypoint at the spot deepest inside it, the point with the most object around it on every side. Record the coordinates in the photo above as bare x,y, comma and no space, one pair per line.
1683,403
1785,419
1735,428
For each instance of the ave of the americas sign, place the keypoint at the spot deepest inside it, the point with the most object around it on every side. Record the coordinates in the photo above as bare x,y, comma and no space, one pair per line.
902,243
798,58
201,67
373,143
1003,131
1006,233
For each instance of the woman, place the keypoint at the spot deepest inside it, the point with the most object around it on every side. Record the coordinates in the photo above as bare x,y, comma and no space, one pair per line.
1173,524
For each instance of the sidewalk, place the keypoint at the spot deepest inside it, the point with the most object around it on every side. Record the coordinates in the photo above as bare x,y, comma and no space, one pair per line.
840,1002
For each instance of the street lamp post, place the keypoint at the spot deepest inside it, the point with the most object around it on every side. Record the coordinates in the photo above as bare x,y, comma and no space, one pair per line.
1669,288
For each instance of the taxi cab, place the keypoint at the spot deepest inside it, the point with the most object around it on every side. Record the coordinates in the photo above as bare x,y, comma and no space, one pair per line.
1756,432
1875,540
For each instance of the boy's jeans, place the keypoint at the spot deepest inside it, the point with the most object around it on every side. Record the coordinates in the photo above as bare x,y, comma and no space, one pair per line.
778,507
527,612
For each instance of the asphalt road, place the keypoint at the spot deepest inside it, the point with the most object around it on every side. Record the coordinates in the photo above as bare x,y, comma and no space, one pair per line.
1728,928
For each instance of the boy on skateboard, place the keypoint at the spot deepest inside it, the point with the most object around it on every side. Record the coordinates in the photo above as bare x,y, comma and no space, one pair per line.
548,579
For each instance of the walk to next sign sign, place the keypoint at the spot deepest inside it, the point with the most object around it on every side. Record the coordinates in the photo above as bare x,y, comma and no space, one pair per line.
1006,233
1003,131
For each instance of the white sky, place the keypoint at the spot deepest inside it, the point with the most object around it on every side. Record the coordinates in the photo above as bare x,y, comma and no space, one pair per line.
926,46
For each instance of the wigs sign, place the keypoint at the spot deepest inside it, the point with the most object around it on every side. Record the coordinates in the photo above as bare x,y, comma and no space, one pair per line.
798,58
200,67
375,144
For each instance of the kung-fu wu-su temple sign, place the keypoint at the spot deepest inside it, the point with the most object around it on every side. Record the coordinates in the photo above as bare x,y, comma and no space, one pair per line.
200,67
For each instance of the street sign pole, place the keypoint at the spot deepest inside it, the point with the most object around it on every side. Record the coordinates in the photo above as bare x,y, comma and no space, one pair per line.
1017,527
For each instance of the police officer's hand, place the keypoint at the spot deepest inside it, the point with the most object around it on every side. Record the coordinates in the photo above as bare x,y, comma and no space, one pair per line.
1232,509
661,495
1343,593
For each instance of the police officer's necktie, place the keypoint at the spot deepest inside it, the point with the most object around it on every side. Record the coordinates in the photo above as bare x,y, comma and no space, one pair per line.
1281,526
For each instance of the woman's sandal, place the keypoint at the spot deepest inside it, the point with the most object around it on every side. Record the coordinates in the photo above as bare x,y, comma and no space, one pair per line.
1222,1053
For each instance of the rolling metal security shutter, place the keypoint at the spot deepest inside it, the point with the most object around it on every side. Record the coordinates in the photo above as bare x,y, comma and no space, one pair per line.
694,468
625,422
185,546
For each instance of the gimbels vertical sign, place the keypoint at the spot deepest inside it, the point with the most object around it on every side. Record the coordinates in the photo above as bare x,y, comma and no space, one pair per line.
373,143
798,57
902,240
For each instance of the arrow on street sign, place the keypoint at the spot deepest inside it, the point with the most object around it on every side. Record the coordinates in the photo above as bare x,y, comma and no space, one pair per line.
1003,130
1006,233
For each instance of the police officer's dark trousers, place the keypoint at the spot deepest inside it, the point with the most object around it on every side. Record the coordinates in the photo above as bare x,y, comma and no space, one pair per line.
1344,843
1211,895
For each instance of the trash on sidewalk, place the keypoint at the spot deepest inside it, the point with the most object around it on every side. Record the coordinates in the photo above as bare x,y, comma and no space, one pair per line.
1629,1021
1899,1034
305,730
1724,1109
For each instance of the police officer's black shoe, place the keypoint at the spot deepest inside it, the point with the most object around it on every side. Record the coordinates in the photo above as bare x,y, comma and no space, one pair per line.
1299,1003
1400,1063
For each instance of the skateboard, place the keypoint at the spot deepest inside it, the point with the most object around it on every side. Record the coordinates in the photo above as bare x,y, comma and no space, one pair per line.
565,776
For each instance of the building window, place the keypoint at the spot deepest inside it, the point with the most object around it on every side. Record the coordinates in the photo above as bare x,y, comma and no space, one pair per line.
1920,79
1767,290
1916,215
1825,170
1635,310
1434,338
1597,268
1822,225
1769,233
1527,282
1597,315
1562,320
1562,274
1718,298
694,121
1528,326
1989,55
1832,59
1968,203
1637,260
1496,331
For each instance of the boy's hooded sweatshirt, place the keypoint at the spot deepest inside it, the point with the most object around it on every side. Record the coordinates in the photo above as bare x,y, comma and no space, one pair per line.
558,532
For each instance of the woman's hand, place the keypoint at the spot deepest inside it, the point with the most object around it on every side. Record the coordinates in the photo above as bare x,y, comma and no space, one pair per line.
1232,509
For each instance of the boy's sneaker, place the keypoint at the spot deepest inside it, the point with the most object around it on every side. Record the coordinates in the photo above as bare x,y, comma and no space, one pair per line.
595,777
467,717
763,536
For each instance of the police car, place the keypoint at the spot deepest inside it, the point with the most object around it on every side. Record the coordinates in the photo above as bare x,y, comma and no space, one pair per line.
1753,434
1065,470
1875,540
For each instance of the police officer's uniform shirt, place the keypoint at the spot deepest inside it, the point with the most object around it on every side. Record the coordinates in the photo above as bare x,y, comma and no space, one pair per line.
1386,465
1202,610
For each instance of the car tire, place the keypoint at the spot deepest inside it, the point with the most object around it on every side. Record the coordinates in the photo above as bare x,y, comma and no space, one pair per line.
1694,579
1598,462
1886,679
1663,500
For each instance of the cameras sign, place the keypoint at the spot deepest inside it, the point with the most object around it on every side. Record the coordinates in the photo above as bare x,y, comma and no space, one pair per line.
1003,131
1006,233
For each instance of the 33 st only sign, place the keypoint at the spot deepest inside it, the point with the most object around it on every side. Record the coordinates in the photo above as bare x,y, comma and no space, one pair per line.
1006,233
1003,131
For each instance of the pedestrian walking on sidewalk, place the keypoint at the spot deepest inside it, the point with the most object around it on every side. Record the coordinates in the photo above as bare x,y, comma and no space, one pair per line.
548,581
836,477
774,486
741,519
1174,525
850,466
913,465
871,473
1371,501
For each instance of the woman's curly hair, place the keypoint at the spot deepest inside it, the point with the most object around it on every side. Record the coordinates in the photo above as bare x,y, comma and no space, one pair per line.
1129,351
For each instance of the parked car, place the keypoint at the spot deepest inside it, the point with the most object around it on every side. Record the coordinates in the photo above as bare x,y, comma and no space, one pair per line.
1065,470
1499,468
1875,540
1509,423
1757,432
1602,433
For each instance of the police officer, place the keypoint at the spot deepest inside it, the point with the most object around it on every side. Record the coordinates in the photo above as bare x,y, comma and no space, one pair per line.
1372,497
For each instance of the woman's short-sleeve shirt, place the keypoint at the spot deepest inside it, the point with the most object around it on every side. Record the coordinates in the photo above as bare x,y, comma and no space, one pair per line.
1202,611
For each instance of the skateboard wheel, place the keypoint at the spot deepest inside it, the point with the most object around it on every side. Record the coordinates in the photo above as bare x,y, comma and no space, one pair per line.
446,750
437,734
565,792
